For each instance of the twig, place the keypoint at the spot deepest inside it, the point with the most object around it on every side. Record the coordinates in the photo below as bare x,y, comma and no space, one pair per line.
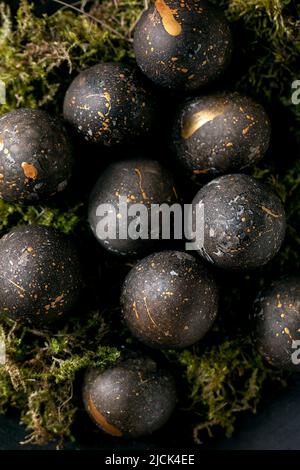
146,6
91,17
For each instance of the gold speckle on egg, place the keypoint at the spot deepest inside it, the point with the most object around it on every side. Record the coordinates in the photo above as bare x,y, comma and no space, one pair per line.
197,120
171,25
30,171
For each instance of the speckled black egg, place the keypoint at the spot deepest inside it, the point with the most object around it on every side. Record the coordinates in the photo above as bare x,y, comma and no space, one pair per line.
276,323
40,276
35,156
169,300
109,104
239,222
220,133
117,192
182,44
132,399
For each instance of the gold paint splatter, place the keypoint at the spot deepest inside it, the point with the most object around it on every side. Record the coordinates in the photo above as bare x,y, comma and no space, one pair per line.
101,420
199,119
106,95
144,194
171,25
57,300
287,332
29,170
1,144
16,285
269,212
201,172
135,310
148,312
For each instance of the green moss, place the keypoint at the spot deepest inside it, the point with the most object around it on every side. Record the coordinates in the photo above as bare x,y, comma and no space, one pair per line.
40,370
65,221
213,376
39,58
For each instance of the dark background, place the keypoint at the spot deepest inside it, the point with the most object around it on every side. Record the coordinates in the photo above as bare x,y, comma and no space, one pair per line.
275,427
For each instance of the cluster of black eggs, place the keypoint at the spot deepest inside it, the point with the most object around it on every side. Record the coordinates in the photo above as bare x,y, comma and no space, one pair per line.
169,298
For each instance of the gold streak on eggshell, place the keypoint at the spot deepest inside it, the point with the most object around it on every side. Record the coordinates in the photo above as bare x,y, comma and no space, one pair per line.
269,212
1,144
106,95
101,420
201,172
171,25
29,170
135,311
198,120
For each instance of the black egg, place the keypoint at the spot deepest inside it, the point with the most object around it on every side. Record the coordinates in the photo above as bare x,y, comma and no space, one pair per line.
40,275
109,104
240,223
182,44
35,156
126,184
169,300
276,323
220,133
132,399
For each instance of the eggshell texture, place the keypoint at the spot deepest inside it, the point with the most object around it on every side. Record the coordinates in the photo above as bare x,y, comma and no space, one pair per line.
138,182
182,44
221,133
40,277
132,399
35,156
276,323
109,104
169,300
241,223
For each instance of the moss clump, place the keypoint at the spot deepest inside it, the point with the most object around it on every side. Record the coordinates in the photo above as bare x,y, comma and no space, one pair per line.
213,376
39,58
63,220
40,369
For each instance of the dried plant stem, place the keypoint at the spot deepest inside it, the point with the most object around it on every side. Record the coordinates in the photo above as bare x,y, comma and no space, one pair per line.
91,17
